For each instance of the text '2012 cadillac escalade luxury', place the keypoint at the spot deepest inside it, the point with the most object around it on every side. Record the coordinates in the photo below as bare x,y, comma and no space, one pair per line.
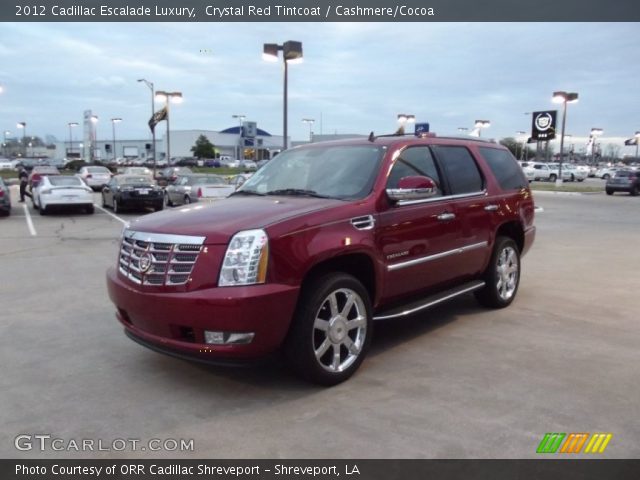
321,242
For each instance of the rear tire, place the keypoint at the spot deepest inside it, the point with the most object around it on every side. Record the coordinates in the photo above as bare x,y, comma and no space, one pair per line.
104,201
634,191
116,207
331,330
606,176
502,276
167,200
187,199
552,177
609,192
43,210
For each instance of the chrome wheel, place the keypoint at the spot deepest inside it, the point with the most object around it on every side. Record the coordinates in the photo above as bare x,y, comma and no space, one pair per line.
339,330
507,273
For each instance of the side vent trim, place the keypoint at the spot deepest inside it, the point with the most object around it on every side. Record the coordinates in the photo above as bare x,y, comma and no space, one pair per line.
363,223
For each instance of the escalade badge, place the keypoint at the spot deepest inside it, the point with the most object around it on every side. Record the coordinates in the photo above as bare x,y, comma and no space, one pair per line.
144,262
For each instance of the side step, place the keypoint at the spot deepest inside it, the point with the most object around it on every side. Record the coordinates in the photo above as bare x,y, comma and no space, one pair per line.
428,302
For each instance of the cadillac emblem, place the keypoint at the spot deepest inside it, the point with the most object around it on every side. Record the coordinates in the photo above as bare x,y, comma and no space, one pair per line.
144,262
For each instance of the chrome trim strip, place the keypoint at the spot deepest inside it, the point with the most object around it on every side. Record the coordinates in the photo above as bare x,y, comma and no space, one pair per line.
163,237
435,256
404,313
436,199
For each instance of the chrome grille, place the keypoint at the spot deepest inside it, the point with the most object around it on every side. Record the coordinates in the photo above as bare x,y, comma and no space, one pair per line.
172,257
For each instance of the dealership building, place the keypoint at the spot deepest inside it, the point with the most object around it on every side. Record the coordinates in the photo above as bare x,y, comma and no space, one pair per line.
229,142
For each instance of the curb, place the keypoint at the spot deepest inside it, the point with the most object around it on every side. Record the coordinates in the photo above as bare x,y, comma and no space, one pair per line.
551,192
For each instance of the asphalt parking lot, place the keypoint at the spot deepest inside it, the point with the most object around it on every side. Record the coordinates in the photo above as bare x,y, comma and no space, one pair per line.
456,382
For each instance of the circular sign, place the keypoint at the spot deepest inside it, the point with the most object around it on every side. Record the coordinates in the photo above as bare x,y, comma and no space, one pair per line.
544,121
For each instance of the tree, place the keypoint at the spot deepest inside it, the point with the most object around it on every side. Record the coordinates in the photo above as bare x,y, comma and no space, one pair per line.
203,148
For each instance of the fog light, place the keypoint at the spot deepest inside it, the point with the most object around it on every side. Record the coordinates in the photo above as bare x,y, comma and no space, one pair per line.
228,338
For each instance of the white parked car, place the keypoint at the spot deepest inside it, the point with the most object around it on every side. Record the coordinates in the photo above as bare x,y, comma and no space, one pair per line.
554,172
528,170
541,170
95,177
606,172
577,174
62,191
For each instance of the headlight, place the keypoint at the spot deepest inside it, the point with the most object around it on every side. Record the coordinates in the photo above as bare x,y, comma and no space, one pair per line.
245,262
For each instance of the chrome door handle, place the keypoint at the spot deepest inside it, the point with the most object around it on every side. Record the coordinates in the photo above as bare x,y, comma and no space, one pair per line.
445,217
491,208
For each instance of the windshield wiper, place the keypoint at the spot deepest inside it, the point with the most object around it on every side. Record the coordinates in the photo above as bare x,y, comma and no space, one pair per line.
297,192
247,192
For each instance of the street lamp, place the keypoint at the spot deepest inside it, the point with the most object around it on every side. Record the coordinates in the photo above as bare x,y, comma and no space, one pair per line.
71,125
480,124
94,138
153,132
636,136
563,98
23,126
239,149
6,132
595,133
168,98
524,139
291,53
113,126
310,122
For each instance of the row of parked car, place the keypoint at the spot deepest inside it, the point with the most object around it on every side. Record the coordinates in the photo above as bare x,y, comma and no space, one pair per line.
134,187
551,171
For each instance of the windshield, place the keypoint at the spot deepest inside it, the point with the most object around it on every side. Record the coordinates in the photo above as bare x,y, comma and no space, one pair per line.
343,172
65,181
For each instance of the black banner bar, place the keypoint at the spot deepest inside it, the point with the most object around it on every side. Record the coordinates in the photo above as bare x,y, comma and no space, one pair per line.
542,469
319,11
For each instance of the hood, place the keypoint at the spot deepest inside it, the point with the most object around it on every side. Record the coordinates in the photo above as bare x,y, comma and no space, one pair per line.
220,220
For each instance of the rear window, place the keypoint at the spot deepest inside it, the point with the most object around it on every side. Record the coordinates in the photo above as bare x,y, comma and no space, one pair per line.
132,180
97,170
462,172
504,168
625,173
60,181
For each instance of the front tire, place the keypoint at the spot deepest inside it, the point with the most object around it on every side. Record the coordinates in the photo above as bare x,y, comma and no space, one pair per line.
634,191
552,177
606,176
43,210
502,276
187,199
331,331
609,192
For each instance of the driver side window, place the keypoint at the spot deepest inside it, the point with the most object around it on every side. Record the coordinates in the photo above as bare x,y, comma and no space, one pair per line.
414,161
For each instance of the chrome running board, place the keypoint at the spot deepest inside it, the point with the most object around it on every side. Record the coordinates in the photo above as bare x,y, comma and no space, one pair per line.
428,302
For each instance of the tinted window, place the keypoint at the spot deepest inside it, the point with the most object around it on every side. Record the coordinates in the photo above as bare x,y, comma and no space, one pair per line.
504,168
462,172
412,162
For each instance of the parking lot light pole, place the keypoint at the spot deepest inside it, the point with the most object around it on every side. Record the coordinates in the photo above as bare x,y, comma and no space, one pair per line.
153,132
113,126
564,98
23,126
240,149
310,122
524,139
168,98
291,53
6,132
595,133
71,125
636,136
94,138
480,124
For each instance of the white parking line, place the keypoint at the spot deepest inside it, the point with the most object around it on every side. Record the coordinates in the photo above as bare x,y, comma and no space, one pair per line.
126,224
32,229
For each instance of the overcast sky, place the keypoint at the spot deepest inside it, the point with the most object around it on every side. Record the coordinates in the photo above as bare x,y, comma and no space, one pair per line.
356,77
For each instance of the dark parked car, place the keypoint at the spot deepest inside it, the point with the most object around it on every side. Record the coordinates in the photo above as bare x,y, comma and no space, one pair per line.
168,175
626,180
132,191
324,240
5,198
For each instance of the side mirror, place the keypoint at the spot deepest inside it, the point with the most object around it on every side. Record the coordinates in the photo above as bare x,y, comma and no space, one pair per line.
413,188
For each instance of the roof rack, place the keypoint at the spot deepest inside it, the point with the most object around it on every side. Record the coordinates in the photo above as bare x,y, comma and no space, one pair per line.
373,137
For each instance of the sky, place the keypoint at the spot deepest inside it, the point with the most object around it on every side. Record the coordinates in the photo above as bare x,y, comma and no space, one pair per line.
355,77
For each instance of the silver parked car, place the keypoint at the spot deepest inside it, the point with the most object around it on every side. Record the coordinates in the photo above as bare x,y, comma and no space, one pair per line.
191,188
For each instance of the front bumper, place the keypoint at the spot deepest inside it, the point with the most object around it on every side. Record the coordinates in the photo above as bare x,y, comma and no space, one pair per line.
174,322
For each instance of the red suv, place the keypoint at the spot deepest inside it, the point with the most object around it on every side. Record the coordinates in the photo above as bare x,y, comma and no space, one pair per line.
319,244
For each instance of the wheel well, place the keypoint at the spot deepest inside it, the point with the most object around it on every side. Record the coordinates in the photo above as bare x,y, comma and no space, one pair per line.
513,230
358,265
